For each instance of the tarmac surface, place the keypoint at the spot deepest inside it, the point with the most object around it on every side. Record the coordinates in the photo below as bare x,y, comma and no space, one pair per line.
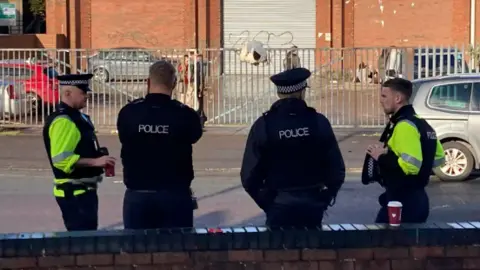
26,203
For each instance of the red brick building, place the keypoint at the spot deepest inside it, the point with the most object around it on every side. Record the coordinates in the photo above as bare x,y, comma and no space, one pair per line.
202,23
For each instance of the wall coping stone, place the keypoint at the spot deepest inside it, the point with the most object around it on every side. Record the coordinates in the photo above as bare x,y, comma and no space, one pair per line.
332,236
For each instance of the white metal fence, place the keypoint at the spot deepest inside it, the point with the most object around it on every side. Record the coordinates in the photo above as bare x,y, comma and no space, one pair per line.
344,84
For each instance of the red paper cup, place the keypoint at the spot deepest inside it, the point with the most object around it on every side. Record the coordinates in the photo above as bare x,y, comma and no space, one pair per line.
395,213
109,170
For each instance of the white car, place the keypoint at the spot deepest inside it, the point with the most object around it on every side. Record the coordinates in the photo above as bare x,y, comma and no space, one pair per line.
13,99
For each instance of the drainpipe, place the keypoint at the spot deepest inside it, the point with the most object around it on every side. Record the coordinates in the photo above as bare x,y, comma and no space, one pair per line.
195,24
472,30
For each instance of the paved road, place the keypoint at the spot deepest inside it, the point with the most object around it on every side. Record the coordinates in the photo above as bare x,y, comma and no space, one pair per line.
26,203
217,150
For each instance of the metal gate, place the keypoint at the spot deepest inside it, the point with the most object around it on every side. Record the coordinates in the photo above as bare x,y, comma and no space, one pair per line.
279,25
276,23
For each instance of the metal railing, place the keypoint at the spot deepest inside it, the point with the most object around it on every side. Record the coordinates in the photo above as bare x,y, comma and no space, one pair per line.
344,85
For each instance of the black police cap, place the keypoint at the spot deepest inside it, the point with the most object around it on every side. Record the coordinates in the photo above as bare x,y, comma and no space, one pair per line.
79,80
291,80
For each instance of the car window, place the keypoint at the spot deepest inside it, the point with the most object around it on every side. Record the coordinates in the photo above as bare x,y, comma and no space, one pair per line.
115,55
144,56
17,73
451,96
130,55
476,97
102,55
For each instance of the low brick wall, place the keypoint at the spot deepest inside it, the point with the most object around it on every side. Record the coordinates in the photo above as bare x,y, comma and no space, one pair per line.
333,247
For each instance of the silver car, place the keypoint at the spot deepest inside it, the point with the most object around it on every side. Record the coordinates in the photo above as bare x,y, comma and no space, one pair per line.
121,64
13,99
451,104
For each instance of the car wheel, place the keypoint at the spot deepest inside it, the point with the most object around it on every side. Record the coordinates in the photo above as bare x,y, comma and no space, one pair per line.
459,162
101,75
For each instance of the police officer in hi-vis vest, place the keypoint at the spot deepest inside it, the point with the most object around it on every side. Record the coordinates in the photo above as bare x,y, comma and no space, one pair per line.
292,165
402,164
157,134
76,159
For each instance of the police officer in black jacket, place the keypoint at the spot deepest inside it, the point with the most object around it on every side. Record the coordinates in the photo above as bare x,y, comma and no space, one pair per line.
292,165
157,134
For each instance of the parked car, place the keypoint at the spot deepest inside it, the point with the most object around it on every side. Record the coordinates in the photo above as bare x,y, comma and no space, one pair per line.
120,64
13,100
425,63
451,104
41,88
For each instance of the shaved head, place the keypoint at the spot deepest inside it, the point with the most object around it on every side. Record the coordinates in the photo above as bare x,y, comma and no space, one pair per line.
73,96
163,73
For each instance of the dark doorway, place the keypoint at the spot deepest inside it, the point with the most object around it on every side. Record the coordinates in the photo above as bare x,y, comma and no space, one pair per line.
33,23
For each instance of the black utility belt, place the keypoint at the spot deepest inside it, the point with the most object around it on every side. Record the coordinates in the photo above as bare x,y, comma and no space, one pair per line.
76,186
301,189
159,190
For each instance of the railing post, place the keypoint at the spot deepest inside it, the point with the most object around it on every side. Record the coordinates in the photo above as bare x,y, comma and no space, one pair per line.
355,94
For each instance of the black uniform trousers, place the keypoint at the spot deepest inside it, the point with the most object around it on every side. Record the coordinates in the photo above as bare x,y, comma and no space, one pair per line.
297,209
80,212
416,207
201,110
280,215
157,209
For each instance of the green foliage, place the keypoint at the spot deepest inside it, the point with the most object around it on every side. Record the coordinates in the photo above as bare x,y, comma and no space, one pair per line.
37,7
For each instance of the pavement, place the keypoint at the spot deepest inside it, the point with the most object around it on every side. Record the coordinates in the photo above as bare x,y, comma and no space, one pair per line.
28,206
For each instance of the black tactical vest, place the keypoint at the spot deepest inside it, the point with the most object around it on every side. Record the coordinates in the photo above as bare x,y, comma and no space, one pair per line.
294,157
86,148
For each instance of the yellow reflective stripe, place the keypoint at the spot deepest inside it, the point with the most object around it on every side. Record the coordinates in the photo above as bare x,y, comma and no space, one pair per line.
87,180
81,189
411,160
60,181
438,162
62,156
60,193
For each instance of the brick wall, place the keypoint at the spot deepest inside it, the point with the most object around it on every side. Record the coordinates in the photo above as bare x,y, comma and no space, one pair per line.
33,41
171,24
334,247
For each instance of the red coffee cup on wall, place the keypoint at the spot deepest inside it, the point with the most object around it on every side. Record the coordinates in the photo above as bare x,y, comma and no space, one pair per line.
395,213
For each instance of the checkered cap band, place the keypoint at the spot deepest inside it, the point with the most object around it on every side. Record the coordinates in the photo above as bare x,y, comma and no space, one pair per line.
74,82
371,166
292,88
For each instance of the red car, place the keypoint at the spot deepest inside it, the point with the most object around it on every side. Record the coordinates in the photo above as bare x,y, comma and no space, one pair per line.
41,87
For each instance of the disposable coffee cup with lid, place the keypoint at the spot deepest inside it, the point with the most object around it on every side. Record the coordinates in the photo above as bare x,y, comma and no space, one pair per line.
395,213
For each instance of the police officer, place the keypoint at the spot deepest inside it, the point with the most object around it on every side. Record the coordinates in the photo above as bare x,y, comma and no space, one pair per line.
157,134
74,155
404,162
292,166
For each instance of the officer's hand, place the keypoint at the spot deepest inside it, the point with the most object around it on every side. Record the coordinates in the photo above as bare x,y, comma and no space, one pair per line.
375,151
104,160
